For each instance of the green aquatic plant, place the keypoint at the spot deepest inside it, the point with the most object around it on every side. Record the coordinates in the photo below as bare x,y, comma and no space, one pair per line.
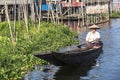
17,59
115,14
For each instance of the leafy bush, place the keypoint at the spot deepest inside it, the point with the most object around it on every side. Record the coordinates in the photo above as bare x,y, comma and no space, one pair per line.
17,59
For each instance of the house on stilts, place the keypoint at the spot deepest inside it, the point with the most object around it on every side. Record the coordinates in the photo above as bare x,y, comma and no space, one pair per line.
87,11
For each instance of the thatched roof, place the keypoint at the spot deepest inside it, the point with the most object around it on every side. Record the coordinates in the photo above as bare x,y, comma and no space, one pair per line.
10,2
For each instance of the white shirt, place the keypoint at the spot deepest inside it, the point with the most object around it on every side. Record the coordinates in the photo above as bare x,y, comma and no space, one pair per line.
92,36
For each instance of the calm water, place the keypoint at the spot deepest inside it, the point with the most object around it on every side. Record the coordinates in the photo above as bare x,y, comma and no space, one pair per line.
106,67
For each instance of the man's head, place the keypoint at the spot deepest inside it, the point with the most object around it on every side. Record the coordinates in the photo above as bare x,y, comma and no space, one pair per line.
94,28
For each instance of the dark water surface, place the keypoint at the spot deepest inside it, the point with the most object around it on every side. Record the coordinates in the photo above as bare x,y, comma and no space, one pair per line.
106,67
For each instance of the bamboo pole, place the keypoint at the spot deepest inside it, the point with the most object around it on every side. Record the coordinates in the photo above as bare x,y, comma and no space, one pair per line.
61,15
99,11
25,17
57,11
48,14
108,10
86,16
32,12
79,16
52,13
80,11
83,21
78,22
36,9
32,15
69,14
18,12
14,20
8,20
93,14
91,17
102,14
40,14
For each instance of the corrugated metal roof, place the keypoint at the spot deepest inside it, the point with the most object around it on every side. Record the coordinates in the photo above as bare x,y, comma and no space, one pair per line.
2,2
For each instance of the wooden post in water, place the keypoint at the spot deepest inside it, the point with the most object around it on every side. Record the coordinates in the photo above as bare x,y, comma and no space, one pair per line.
102,13
94,13
79,14
86,15
96,3
109,10
92,17
83,21
99,11
68,8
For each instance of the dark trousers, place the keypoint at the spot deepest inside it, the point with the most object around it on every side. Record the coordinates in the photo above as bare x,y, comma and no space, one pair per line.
91,45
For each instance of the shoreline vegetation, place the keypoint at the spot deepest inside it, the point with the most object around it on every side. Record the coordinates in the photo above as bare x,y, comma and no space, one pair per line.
16,59
115,14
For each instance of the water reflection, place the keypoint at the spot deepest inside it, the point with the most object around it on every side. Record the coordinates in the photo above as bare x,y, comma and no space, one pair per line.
70,72
75,72
45,72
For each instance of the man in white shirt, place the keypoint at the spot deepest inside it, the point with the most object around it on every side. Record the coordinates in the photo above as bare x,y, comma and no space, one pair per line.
93,37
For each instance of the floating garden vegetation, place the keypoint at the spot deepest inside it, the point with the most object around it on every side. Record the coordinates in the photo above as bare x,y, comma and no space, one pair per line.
115,14
16,59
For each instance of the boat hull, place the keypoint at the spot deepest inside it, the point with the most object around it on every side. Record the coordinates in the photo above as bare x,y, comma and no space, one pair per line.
50,58
70,57
78,57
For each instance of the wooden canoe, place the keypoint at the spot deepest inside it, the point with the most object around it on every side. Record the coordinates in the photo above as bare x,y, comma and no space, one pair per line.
75,56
